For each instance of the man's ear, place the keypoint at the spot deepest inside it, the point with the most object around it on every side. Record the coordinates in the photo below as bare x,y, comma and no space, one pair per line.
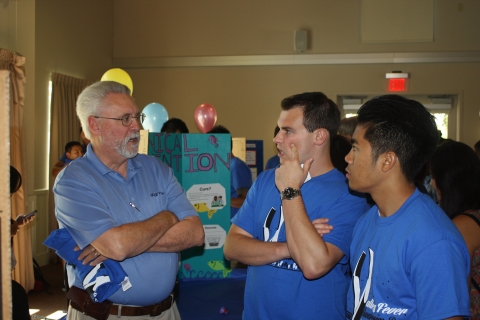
93,125
388,159
320,136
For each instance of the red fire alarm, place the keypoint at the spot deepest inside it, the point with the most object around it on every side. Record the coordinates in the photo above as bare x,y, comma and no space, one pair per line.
396,81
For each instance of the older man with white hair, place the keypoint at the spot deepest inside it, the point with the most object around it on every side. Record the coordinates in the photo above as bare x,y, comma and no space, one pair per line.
121,205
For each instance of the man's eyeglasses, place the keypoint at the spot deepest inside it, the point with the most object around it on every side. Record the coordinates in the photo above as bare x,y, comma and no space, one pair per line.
127,119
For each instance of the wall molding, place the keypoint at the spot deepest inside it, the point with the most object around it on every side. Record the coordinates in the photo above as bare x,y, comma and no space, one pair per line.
297,59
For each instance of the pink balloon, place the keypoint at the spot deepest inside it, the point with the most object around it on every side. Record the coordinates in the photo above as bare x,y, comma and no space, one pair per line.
205,117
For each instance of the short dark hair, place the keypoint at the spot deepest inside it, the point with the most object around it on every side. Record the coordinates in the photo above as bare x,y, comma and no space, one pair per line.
456,170
477,147
15,180
347,126
339,148
404,126
219,129
173,125
71,144
318,111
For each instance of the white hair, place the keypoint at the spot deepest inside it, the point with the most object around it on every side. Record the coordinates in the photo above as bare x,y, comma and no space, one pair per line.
90,101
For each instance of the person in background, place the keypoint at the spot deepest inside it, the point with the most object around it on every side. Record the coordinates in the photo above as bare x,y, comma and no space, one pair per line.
427,185
274,161
407,257
339,148
455,171
64,160
174,125
73,150
240,177
294,272
347,126
20,309
121,205
477,148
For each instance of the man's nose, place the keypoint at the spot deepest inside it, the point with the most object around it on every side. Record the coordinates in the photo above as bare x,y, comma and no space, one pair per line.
277,138
136,124
348,157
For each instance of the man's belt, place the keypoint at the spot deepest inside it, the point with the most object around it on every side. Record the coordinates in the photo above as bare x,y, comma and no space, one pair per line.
81,301
152,310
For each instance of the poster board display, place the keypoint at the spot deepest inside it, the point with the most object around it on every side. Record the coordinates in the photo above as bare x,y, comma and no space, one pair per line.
201,163
254,157
238,148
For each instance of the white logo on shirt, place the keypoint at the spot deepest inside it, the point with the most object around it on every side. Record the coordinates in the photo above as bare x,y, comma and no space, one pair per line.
360,298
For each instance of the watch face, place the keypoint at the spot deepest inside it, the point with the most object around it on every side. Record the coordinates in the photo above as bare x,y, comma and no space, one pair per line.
290,193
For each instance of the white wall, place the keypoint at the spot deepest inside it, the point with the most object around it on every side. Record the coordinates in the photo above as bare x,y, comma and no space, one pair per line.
176,53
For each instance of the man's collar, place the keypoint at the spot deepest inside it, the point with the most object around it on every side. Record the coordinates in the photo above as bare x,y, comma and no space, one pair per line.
132,164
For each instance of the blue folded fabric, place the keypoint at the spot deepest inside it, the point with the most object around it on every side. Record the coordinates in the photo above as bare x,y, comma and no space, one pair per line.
100,281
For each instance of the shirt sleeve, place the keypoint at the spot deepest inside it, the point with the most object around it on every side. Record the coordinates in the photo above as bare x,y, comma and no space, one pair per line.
64,158
244,218
343,215
241,176
177,202
447,262
79,205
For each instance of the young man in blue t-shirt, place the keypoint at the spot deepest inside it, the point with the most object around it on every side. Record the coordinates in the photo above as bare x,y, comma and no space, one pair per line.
408,259
293,272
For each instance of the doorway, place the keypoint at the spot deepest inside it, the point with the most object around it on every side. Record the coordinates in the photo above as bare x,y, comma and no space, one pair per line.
443,107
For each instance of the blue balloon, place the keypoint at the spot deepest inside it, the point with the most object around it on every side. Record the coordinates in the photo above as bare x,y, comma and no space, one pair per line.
156,115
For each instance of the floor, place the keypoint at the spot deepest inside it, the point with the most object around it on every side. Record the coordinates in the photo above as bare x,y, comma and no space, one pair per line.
198,300
51,299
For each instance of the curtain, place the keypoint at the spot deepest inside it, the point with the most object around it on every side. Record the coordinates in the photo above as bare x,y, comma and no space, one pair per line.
23,272
65,127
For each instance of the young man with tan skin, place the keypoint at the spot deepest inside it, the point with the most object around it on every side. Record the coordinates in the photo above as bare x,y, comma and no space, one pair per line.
408,259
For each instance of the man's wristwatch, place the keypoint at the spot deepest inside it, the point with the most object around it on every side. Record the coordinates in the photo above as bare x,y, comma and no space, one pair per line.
290,193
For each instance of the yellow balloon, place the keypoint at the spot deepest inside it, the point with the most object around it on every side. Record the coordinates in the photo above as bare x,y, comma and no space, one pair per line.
120,76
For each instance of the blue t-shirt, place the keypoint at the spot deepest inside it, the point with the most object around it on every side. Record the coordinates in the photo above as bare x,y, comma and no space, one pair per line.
279,290
411,265
64,159
240,177
273,162
90,199
100,281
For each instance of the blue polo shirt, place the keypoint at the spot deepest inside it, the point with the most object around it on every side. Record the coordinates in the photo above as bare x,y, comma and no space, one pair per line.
90,199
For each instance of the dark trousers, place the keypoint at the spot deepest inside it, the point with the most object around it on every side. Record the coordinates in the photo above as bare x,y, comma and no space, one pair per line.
19,302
